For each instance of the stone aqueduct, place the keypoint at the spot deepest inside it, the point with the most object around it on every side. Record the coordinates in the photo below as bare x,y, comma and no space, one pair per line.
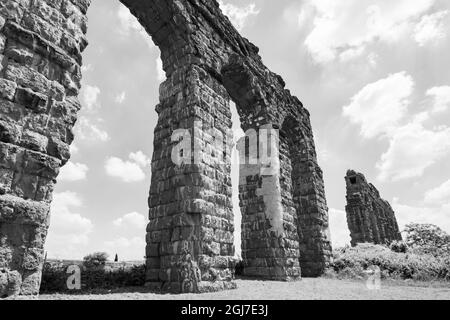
190,234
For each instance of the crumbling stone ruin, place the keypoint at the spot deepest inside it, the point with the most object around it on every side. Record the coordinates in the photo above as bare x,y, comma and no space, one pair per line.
190,233
369,217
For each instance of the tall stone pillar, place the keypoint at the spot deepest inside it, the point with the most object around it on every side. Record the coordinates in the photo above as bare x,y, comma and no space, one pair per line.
40,73
190,235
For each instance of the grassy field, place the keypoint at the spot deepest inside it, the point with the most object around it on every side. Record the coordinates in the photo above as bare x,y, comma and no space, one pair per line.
306,289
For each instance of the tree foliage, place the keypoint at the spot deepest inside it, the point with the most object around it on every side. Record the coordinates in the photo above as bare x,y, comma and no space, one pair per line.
95,260
428,238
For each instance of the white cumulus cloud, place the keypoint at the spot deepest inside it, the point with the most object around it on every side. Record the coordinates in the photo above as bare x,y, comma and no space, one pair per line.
128,170
89,97
238,15
73,172
120,98
125,170
380,106
88,129
129,24
87,68
412,149
381,110
133,219
140,158
441,98
437,215
340,26
431,29
439,195
74,149
69,231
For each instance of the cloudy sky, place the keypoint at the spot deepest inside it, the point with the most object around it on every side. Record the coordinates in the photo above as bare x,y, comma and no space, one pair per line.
373,73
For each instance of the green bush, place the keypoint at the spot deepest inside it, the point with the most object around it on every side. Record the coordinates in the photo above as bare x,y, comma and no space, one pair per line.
352,263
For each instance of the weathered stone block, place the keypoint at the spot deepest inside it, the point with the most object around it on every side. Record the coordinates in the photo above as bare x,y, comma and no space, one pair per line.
10,283
42,27
2,38
31,281
2,22
58,149
6,176
12,10
8,155
152,250
44,190
14,210
32,100
9,132
54,3
34,141
33,258
20,55
24,185
27,78
47,12
7,89
41,164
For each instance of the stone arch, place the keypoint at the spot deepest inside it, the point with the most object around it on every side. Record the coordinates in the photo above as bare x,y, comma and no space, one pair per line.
190,232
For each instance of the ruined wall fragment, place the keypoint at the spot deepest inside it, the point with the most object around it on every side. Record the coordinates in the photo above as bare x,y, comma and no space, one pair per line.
370,218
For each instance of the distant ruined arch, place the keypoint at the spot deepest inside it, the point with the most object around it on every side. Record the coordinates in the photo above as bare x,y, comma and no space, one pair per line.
190,232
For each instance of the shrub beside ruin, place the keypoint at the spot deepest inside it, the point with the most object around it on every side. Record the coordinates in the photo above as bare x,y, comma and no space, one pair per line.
104,276
423,256
353,263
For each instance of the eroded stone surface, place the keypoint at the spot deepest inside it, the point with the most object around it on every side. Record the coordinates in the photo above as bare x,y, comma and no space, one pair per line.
10,283
190,232
370,218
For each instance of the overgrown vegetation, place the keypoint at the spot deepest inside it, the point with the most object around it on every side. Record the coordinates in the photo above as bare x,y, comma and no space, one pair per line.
96,274
427,239
95,260
424,256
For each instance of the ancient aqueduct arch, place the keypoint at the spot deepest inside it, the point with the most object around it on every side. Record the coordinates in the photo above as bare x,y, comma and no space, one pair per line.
190,234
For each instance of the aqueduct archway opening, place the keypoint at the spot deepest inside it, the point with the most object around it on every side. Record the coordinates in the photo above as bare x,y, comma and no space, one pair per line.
190,232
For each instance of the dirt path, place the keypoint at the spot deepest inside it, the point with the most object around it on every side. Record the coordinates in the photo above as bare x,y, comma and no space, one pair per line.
307,289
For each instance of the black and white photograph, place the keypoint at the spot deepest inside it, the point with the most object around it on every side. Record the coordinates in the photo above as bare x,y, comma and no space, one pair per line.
249,151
